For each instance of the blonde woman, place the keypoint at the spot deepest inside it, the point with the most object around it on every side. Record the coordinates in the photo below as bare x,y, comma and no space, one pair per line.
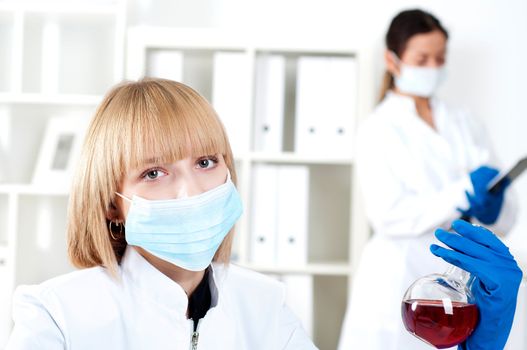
151,218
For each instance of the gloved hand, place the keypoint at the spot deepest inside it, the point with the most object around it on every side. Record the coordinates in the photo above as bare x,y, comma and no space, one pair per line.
496,283
484,206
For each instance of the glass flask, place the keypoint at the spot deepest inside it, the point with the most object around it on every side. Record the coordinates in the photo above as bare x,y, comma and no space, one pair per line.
440,309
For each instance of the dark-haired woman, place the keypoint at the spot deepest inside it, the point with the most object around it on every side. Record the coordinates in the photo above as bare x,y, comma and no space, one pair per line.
421,165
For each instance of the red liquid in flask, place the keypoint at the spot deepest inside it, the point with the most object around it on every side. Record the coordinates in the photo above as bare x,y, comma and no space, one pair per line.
440,325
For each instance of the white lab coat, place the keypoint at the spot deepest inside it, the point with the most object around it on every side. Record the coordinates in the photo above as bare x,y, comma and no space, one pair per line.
413,179
88,309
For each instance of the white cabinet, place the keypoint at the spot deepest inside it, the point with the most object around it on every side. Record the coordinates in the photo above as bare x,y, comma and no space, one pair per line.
57,59
271,99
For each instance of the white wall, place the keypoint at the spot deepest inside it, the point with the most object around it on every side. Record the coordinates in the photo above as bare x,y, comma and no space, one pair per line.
487,60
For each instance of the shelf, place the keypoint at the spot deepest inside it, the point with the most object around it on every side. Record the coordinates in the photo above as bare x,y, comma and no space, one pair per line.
290,157
328,269
187,38
29,189
69,7
224,39
55,99
59,58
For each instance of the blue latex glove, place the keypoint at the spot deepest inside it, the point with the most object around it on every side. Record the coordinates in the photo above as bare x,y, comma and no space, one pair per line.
484,206
496,283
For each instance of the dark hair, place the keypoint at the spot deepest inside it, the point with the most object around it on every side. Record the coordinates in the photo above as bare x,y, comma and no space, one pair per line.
403,26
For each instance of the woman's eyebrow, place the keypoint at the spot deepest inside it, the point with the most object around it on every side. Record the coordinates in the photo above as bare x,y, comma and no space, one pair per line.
151,161
421,53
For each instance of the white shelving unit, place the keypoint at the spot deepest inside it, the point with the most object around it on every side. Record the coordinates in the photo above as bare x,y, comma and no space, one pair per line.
337,227
51,65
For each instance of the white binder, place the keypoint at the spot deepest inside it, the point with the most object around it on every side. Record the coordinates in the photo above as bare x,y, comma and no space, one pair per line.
311,105
231,96
166,64
299,298
293,211
342,77
269,103
325,105
264,214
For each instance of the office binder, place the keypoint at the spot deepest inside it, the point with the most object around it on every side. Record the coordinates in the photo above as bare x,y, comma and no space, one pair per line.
342,105
325,105
311,103
231,96
264,214
293,210
269,103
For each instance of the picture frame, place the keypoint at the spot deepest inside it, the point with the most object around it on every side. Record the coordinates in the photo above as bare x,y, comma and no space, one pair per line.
59,151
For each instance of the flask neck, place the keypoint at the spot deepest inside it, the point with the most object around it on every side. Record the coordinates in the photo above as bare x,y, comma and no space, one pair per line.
460,275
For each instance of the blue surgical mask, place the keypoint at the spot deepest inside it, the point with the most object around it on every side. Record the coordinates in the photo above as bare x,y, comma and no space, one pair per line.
185,232
418,81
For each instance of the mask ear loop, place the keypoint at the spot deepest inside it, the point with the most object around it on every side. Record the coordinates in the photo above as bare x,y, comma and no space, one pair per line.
123,197
398,62
395,57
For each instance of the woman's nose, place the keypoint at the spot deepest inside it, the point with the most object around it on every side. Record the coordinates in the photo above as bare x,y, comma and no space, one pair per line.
188,187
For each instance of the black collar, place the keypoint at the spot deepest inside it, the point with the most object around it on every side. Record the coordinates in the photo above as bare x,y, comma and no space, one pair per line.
200,300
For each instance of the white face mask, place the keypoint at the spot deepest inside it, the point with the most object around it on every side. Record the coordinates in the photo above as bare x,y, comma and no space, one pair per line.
186,231
418,81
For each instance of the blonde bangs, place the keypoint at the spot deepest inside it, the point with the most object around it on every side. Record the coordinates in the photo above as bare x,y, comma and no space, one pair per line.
164,122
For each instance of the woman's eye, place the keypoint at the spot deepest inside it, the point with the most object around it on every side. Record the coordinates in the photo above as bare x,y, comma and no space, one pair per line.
207,163
152,174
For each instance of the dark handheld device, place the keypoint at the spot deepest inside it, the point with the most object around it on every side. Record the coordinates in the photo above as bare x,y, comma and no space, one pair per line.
510,175
503,178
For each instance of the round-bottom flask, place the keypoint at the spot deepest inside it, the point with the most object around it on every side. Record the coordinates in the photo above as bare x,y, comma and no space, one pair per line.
440,309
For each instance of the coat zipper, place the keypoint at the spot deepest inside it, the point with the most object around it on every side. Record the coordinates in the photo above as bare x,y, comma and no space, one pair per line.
194,335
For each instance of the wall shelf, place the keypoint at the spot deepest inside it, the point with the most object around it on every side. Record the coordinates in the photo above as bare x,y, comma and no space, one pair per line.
37,190
46,99
33,94
61,7
293,158
322,269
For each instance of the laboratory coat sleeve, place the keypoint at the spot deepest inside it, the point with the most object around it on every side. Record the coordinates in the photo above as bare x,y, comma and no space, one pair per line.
293,336
394,208
35,327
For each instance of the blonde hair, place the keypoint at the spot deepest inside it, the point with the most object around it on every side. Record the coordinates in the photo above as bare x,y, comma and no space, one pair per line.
135,121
